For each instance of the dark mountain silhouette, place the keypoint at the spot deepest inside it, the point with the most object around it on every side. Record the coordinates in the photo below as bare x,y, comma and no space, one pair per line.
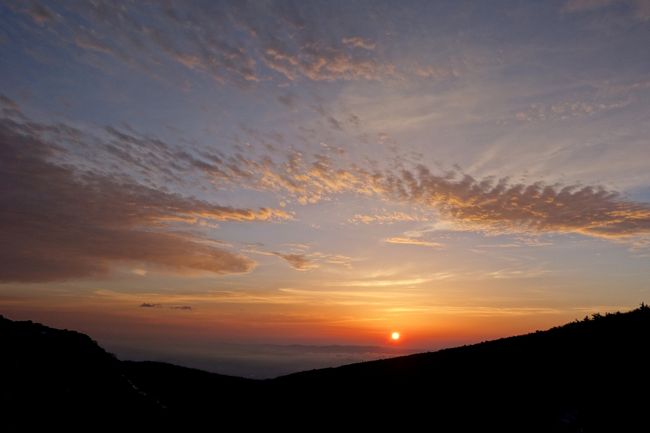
586,376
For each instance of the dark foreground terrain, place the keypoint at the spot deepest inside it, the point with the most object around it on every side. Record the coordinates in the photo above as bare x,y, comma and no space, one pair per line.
587,376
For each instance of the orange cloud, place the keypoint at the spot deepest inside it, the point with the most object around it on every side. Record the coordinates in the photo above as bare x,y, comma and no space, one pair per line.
386,218
469,203
324,64
403,240
501,207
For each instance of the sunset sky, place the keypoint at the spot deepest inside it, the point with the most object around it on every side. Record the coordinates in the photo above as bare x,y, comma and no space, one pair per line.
262,187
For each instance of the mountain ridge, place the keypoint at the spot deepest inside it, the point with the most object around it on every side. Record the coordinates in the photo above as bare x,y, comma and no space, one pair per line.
581,376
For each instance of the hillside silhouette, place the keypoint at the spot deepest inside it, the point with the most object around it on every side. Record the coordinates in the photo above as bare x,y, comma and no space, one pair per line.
585,376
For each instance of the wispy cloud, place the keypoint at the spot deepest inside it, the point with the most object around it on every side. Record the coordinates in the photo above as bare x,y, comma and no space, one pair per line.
382,282
171,307
358,42
565,110
300,259
403,240
517,273
387,217
299,262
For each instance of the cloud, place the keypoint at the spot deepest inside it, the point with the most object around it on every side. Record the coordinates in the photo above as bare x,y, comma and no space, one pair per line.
113,220
172,307
461,201
9,108
202,35
233,42
59,223
306,178
332,259
358,42
386,218
517,273
88,42
7,102
40,14
382,283
128,154
299,262
402,240
320,63
467,203
227,213
288,99
436,72
567,110
499,206
308,181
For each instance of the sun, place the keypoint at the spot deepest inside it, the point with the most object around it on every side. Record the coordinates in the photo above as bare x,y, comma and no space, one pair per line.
394,336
